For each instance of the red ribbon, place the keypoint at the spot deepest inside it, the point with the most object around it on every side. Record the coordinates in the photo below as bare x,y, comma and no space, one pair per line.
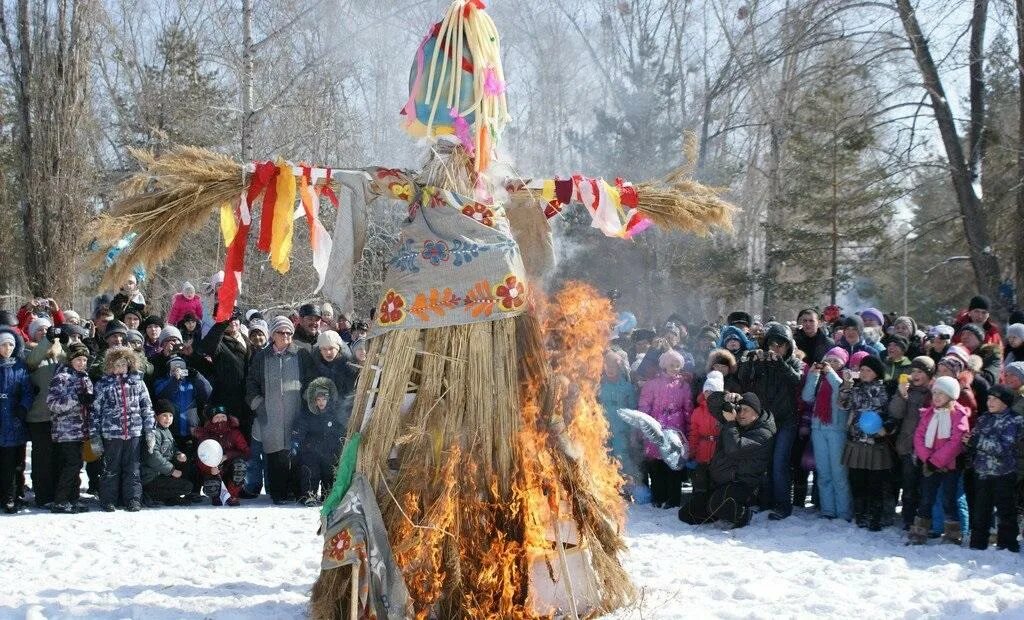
329,191
234,262
472,4
267,208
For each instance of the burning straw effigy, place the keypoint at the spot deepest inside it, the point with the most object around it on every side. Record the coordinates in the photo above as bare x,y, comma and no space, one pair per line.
475,481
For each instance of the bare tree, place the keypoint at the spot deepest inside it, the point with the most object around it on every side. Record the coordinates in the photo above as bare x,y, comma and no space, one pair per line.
48,46
973,216
1019,246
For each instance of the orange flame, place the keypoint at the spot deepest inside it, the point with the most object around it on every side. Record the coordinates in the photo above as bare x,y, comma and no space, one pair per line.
468,550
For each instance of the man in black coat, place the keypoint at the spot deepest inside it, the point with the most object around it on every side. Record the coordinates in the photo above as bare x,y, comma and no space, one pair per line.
774,374
739,463
811,338
228,357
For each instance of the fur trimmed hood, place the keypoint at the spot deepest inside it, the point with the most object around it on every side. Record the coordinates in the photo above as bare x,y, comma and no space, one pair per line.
116,354
321,384
721,356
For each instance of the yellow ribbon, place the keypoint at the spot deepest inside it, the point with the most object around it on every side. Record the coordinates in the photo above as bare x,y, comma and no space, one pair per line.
284,208
228,225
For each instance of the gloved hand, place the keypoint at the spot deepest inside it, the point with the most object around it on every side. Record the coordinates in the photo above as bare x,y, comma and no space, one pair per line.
86,398
691,464
97,445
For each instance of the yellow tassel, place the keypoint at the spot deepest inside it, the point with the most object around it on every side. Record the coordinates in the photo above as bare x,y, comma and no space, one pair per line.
284,208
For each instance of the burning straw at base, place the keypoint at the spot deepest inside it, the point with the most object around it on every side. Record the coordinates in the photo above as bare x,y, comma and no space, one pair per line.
492,506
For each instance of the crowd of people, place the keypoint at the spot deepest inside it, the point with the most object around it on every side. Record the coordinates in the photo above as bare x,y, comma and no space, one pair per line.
866,417
853,416
132,395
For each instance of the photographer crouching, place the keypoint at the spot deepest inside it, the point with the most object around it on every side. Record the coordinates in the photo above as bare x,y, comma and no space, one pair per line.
740,460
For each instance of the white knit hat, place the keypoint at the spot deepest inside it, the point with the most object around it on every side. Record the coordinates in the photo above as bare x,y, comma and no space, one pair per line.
715,382
948,386
329,339
39,323
1017,329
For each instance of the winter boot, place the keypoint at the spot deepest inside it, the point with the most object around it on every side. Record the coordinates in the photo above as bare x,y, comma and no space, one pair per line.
888,507
919,531
860,512
951,532
63,508
875,515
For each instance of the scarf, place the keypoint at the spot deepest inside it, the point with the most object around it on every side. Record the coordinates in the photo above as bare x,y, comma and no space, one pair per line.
823,400
941,426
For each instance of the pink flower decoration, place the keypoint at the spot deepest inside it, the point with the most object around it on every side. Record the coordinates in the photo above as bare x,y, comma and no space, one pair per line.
462,131
492,85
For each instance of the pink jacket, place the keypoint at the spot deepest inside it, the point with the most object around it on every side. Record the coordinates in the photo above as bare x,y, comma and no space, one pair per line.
181,306
667,400
943,454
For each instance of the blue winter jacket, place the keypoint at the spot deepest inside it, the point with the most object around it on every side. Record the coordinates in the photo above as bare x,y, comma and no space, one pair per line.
614,396
192,392
16,396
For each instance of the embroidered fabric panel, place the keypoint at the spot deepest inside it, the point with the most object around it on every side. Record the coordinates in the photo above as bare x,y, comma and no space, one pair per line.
456,263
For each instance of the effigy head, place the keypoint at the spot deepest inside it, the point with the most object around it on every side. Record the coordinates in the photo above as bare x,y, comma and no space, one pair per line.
457,85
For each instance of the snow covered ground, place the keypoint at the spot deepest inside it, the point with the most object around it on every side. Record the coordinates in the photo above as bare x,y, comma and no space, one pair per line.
259,561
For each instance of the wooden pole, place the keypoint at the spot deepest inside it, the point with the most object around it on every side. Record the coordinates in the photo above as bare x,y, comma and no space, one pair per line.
353,604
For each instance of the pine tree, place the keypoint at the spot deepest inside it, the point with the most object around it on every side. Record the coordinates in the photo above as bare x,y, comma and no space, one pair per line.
838,191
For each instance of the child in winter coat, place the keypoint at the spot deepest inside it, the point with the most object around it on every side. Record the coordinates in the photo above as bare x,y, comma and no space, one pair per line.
866,456
703,437
16,398
122,412
617,392
231,470
905,406
163,465
828,434
317,439
189,391
69,397
667,399
185,302
993,447
938,442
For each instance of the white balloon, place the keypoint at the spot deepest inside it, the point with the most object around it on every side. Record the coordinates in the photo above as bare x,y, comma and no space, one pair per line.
210,452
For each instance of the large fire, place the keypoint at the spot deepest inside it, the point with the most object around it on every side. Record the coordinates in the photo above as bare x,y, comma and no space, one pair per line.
538,538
